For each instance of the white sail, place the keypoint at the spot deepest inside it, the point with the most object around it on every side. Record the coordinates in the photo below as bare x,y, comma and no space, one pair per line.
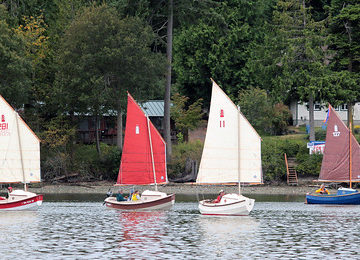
223,161
19,150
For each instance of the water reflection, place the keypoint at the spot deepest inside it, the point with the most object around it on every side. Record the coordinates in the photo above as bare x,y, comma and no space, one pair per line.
220,232
87,230
8,218
141,226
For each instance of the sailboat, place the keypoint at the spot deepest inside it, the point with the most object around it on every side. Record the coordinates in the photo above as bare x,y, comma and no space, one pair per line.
231,154
19,160
340,163
143,162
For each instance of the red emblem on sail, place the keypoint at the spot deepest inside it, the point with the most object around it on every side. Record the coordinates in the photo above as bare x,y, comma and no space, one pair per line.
3,124
222,122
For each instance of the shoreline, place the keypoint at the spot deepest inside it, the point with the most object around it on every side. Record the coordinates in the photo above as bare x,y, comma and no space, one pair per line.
177,188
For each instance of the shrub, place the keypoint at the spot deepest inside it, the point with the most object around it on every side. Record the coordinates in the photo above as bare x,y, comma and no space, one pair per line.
182,152
320,134
90,166
308,164
265,117
85,162
273,161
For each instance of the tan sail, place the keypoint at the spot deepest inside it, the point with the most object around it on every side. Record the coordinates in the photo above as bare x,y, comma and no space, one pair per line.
223,149
19,150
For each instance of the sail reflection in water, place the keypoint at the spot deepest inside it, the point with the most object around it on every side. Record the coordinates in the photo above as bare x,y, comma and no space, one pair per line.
8,218
218,232
142,227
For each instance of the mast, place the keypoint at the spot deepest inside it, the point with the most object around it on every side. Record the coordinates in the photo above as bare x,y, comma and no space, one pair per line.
152,154
20,148
350,153
238,119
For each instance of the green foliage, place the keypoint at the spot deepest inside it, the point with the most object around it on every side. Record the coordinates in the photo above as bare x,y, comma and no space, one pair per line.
272,153
91,167
345,36
181,153
14,73
308,164
262,115
218,45
86,163
186,119
102,57
320,134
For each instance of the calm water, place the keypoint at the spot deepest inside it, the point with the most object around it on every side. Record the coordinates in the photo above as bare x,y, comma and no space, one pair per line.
65,228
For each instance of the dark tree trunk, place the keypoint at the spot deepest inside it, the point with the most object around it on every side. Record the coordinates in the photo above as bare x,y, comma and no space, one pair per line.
167,130
119,137
97,137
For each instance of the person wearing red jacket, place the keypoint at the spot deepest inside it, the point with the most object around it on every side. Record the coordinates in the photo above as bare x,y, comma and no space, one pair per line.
218,199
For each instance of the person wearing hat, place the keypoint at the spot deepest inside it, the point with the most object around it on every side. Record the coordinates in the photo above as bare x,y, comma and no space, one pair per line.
218,199
10,189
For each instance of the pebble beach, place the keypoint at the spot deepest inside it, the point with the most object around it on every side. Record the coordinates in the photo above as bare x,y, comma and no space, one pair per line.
186,189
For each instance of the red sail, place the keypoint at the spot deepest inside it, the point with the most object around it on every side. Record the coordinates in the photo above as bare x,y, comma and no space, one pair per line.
136,162
336,161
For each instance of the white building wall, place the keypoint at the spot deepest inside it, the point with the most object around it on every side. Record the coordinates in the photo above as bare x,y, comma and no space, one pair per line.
300,114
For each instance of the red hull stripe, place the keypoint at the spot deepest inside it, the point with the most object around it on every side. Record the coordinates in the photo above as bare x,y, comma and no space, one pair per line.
222,215
23,202
144,205
221,205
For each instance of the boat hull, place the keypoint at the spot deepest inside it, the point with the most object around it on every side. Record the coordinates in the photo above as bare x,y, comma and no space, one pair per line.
346,199
146,203
230,205
21,200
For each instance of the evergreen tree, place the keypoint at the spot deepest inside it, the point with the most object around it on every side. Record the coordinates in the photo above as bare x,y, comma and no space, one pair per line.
303,54
345,34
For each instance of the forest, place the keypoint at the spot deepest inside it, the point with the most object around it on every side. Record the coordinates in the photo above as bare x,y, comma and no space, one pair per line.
64,60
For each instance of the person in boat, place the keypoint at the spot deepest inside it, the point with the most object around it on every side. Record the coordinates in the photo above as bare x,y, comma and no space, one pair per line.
135,196
120,196
322,190
10,189
218,199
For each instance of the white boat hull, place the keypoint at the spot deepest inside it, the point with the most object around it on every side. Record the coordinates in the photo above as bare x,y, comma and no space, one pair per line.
21,200
230,205
150,200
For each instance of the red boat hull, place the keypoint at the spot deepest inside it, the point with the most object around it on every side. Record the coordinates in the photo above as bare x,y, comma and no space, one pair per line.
29,203
161,203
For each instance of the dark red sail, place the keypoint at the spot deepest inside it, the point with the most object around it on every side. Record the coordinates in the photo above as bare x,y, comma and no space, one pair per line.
336,161
140,152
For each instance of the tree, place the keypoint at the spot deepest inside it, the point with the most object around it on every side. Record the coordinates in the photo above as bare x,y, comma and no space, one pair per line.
345,34
265,117
218,45
304,53
102,57
186,119
169,36
14,72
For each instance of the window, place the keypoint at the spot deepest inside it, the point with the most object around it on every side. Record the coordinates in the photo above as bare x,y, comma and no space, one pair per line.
317,107
344,107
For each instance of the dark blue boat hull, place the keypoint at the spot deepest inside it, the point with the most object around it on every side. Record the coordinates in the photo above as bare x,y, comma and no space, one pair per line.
346,199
